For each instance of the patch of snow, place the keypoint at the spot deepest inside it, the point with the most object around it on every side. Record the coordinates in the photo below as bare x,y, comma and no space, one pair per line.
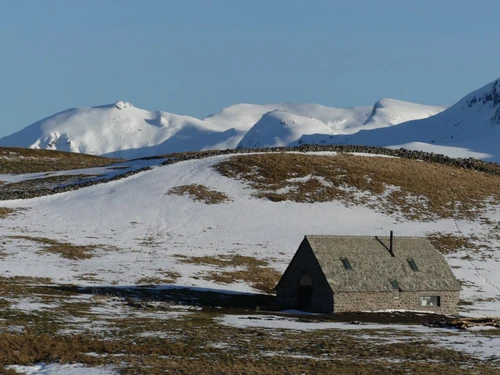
29,304
220,345
276,322
482,346
63,369
482,328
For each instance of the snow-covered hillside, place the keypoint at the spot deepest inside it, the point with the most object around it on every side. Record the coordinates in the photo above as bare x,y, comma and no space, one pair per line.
146,234
388,112
244,116
470,128
279,128
122,130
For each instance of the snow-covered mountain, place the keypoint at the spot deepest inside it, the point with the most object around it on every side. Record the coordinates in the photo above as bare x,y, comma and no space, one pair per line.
388,112
122,130
280,128
470,128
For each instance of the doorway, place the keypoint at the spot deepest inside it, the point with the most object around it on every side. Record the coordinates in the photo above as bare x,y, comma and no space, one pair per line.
305,292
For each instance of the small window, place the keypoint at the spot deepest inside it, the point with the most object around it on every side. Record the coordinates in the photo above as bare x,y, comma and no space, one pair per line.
305,280
412,264
433,301
395,284
346,264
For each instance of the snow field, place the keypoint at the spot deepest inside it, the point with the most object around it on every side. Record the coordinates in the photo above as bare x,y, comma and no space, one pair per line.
141,232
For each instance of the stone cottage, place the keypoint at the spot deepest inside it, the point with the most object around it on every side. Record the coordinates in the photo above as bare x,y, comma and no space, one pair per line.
345,273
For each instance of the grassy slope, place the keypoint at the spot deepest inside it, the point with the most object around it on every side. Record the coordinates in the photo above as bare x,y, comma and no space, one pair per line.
26,160
418,190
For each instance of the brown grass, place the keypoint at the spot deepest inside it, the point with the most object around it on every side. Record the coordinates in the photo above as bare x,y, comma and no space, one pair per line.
21,285
224,260
64,249
451,243
168,277
254,271
25,160
420,190
89,277
250,351
25,280
6,212
4,371
199,193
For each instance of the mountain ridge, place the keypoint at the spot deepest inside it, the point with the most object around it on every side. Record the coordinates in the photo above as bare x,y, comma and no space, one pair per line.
469,128
122,130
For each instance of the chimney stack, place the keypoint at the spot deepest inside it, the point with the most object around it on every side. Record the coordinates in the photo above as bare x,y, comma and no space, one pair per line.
391,245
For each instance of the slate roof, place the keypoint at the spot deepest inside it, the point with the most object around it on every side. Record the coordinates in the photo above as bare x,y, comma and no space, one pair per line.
373,267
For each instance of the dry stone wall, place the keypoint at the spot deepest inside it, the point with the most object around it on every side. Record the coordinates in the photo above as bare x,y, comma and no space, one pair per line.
466,163
28,194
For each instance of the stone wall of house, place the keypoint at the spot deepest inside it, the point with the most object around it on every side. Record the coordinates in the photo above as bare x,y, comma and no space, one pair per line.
370,301
287,292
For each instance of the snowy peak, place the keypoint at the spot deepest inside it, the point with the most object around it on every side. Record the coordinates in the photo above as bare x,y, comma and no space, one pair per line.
244,116
280,128
118,129
285,126
388,112
488,94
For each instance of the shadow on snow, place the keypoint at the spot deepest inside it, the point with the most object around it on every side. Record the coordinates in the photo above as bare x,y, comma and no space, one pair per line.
203,297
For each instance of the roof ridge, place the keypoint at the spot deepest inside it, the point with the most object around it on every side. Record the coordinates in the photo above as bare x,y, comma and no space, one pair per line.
360,236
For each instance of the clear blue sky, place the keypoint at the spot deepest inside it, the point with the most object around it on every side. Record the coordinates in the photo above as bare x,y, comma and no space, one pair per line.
197,56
